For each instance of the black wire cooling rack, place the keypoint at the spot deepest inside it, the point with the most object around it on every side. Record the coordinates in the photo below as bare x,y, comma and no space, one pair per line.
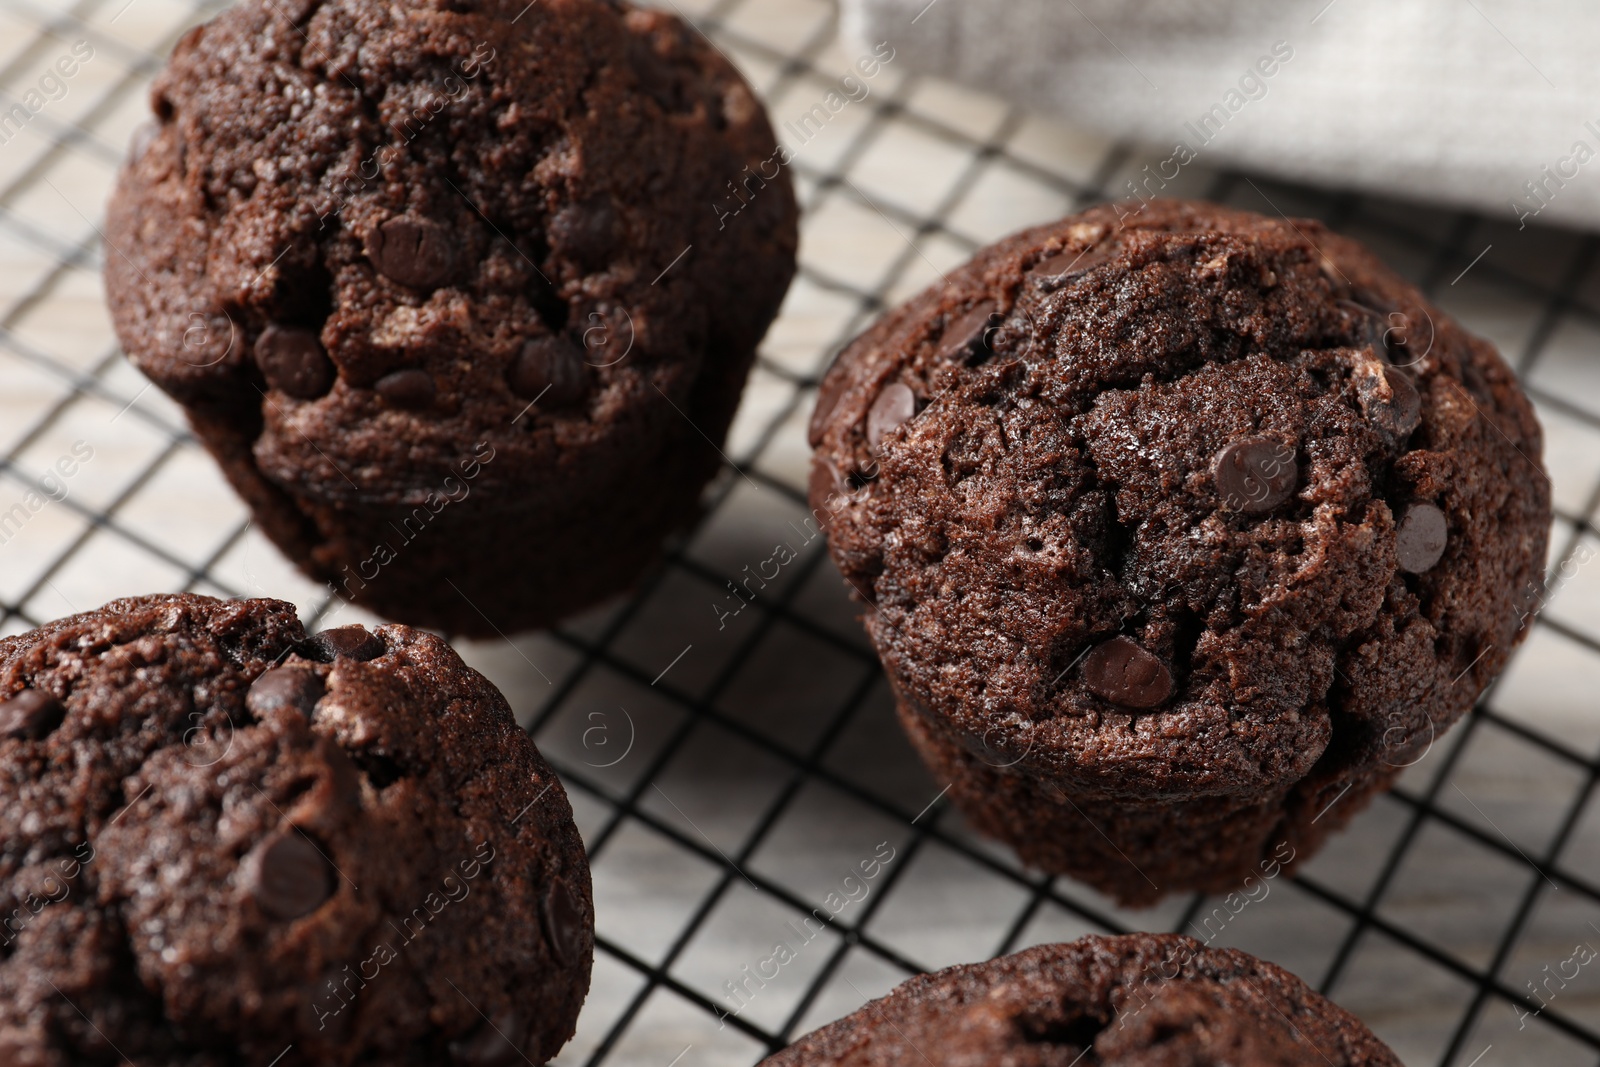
768,854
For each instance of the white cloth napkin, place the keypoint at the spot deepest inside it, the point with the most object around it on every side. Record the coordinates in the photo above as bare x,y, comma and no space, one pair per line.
1487,104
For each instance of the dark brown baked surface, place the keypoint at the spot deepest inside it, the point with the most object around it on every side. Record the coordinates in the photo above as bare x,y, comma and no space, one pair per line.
454,289
1143,1000
1175,529
224,839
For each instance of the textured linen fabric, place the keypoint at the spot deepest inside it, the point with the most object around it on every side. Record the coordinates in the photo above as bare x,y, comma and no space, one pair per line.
1462,102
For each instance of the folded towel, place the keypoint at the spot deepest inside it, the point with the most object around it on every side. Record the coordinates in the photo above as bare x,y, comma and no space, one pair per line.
1486,104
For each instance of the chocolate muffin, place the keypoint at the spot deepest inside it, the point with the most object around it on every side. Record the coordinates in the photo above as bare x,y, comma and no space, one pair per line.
224,842
461,294
1145,1000
1181,531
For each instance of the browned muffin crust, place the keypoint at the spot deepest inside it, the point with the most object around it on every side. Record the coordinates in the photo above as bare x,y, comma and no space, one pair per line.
1143,1000
227,843
449,288
1176,528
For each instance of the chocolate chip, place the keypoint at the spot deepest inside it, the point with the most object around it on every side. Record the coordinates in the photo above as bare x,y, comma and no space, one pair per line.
894,405
1371,326
550,370
294,688
328,803
1421,538
824,483
343,774
496,1042
1060,269
564,923
415,252
293,361
1255,474
1409,342
970,335
352,642
411,389
1123,673
288,876
828,394
32,713
327,807
1407,401
1390,333
1389,400
587,232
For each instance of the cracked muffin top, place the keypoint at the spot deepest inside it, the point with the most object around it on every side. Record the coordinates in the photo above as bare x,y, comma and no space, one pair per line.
1175,501
1143,1000
444,222
222,841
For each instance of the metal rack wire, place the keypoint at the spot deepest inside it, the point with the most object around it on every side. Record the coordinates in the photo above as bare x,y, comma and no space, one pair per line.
732,769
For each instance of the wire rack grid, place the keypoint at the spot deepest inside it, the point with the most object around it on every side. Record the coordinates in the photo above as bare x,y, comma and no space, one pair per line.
768,853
